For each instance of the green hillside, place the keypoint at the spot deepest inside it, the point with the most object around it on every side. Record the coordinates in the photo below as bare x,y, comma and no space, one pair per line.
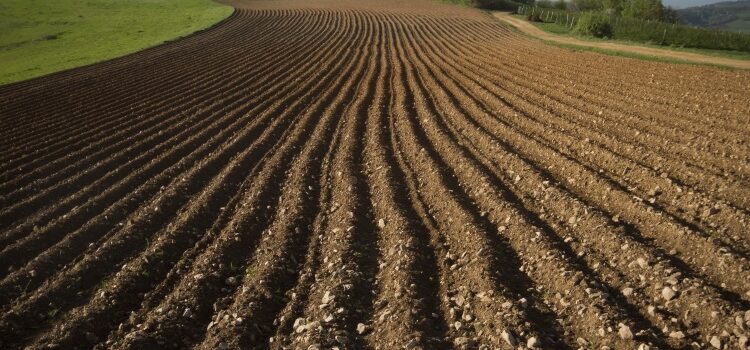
730,15
39,37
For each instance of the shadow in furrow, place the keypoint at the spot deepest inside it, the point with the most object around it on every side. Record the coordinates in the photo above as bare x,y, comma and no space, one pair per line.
429,285
505,263
633,233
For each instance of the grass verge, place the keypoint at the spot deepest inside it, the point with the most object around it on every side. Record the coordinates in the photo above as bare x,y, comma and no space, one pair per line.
560,29
39,37
579,48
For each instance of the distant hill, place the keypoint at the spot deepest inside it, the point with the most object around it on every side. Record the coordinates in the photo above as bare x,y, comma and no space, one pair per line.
729,15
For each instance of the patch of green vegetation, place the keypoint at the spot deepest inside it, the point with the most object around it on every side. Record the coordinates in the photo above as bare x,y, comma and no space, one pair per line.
554,28
39,37
502,5
611,26
458,2
561,29
625,54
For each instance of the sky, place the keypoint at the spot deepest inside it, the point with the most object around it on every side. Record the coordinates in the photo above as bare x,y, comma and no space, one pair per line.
680,4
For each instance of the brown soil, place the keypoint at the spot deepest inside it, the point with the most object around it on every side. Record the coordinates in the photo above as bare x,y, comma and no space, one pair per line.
374,174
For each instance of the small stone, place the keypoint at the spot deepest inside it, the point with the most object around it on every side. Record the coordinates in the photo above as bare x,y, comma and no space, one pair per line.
677,335
231,281
716,342
668,293
509,338
458,325
532,343
740,322
381,223
627,291
644,347
327,297
341,339
642,263
463,342
710,211
654,192
361,328
298,322
625,332
523,302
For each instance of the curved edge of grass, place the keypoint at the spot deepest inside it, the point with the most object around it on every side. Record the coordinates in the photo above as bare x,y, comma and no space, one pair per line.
39,37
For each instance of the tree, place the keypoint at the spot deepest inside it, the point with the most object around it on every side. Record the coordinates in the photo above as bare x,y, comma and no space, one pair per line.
543,3
588,5
614,6
644,9
561,5
670,15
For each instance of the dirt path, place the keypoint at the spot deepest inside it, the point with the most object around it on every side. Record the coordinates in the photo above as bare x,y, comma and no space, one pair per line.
374,174
532,30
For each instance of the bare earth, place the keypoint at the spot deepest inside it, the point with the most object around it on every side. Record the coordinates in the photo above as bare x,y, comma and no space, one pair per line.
532,30
374,175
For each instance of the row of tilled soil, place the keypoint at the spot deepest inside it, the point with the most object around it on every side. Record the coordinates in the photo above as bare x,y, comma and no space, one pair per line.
364,176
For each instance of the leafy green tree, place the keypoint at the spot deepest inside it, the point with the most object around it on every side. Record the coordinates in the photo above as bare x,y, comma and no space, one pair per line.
614,6
670,15
644,9
588,5
543,3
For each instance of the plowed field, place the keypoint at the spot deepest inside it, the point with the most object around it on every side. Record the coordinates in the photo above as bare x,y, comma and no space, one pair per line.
374,175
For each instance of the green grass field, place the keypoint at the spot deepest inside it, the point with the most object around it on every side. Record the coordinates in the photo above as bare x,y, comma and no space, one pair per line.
39,37
563,30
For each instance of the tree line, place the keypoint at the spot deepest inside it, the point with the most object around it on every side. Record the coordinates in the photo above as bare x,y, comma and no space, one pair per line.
649,10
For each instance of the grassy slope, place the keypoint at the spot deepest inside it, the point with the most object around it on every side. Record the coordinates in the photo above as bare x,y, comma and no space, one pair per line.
39,37
562,30
741,24
728,15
